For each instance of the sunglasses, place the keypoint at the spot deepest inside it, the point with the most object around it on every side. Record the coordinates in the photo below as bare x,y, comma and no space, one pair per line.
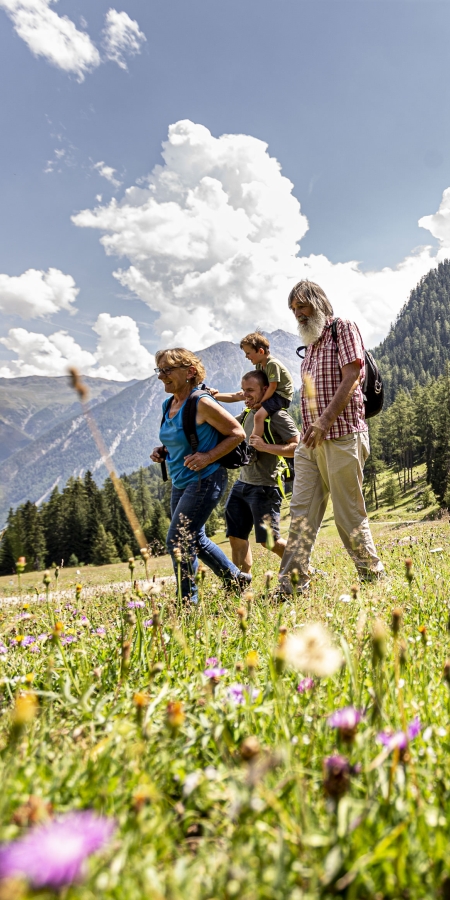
168,369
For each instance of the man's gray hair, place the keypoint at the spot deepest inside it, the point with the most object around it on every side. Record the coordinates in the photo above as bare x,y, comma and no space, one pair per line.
312,293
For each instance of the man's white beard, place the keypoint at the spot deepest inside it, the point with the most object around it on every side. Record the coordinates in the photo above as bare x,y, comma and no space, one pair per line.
311,330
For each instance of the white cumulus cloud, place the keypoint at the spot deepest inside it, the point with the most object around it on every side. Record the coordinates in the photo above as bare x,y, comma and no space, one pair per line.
121,37
38,354
107,172
119,354
54,37
212,241
36,293
439,224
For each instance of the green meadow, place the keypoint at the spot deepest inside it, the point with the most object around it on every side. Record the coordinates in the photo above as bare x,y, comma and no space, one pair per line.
236,783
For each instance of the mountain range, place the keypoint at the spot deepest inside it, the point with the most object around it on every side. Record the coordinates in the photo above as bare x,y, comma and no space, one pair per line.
44,436
45,439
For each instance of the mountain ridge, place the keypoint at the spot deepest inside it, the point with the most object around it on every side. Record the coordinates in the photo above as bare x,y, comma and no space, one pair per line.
128,423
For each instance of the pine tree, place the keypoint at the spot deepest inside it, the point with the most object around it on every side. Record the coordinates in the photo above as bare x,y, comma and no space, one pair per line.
34,536
440,468
75,519
104,549
156,533
53,524
96,514
143,505
11,546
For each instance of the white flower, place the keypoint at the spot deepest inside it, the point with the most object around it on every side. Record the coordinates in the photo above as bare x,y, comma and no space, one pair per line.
312,652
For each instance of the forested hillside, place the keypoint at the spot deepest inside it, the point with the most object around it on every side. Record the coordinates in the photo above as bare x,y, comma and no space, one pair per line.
418,345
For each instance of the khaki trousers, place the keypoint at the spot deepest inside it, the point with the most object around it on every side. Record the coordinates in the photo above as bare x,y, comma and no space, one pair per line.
336,468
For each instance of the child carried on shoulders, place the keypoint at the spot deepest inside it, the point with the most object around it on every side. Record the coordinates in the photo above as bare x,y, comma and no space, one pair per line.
280,390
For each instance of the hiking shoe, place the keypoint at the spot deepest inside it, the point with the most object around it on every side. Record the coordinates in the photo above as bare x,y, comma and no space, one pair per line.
244,580
240,583
370,576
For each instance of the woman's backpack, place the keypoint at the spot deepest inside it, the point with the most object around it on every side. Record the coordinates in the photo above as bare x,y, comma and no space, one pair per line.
236,458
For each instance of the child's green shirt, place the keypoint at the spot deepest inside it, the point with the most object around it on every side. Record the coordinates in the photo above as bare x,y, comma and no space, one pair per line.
275,371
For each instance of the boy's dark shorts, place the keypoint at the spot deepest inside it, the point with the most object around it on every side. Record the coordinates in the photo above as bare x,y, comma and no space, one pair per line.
248,505
275,403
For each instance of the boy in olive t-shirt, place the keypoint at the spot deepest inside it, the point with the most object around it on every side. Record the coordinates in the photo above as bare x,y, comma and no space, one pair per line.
280,390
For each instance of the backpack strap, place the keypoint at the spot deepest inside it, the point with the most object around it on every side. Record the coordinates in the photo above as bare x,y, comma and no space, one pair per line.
189,417
163,464
334,333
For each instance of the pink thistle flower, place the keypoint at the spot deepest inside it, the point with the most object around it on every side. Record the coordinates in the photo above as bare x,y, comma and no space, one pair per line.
337,773
101,630
52,855
135,604
215,672
212,661
400,739
67,638
306,684
3,649
237,693
147,623
346,720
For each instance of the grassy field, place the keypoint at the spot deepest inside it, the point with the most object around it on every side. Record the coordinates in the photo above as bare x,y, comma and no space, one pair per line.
202,737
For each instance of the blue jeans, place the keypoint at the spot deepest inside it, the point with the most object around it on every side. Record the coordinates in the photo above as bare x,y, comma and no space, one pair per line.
191,507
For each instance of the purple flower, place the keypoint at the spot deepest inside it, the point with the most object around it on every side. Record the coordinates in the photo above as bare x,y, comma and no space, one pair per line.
67,638
52,855
135,604
28,639
24,615
101,630
212,661
306,684
337,771
34,648
43,637
147,623
237,693
3,649
346,718
84,620
400,739
215,672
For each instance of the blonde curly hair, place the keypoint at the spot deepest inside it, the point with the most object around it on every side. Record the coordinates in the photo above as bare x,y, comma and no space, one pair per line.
179,356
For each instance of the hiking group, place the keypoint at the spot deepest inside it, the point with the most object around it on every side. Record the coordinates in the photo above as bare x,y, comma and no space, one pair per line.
200,440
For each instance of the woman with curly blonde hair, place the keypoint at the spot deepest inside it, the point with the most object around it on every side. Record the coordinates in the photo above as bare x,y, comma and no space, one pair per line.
198,479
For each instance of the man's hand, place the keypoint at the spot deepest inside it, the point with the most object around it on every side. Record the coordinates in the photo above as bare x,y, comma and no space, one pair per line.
257,442
158,454
316,433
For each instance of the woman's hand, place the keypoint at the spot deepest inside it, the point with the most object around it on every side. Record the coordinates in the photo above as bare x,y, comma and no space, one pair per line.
197,461
158,454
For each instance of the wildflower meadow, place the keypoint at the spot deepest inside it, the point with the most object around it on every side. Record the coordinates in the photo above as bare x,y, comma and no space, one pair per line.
239,748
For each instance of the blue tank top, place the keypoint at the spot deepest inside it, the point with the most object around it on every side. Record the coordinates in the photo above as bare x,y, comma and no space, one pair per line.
172,435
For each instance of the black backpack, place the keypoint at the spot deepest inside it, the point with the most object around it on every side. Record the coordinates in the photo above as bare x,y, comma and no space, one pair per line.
232,460
372,386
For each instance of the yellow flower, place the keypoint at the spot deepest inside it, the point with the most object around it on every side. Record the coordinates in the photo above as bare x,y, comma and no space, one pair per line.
30,677
252,659
175,714
25,708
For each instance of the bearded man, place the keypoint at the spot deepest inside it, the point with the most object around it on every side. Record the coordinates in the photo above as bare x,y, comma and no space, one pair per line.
334,441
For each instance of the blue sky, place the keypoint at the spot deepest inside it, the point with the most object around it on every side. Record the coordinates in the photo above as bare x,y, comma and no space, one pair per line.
352,99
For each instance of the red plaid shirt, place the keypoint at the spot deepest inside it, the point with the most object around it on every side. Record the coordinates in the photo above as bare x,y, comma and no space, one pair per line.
323,365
